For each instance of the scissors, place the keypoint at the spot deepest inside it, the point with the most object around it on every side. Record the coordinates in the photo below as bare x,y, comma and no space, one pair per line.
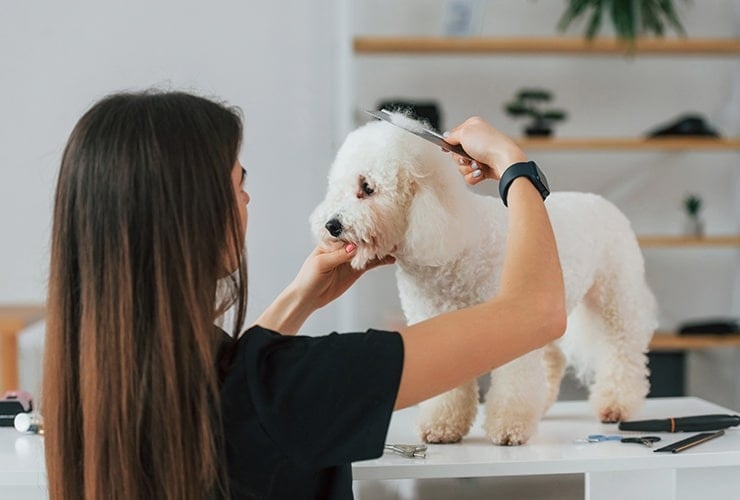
645,440
424,133
598,438
408,450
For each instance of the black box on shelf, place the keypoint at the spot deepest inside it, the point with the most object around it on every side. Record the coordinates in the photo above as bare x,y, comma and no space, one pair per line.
11,404
713,326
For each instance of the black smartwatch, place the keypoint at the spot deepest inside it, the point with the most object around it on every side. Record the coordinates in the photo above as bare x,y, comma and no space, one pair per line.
528,169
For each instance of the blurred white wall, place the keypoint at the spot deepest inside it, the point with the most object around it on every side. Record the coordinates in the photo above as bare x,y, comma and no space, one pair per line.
273,59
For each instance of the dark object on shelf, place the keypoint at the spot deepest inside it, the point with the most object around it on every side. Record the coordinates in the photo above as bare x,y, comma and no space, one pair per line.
694,225
527,103
692,204
426,111
538,129
712,327
11,404
685,125
667,374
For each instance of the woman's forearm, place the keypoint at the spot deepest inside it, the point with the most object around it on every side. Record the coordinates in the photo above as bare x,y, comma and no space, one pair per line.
531,270
287,313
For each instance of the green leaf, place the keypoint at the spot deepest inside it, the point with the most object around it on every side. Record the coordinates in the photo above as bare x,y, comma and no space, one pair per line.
629,17
594,24
623,17
554,115
672,16
692,203
534,95
650,20
575,9
647,16
518,109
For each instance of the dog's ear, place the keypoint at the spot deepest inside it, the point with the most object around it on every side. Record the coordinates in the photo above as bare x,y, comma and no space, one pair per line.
436,231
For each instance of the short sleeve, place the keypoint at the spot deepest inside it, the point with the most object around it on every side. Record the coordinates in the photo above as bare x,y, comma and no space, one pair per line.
325,400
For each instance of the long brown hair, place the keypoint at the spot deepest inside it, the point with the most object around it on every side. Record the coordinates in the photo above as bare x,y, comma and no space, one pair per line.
145,220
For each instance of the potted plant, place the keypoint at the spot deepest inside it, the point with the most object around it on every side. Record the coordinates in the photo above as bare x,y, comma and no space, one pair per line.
529,102
694,225
630,18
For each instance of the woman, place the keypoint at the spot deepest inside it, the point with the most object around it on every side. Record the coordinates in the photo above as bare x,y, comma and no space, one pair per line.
145,398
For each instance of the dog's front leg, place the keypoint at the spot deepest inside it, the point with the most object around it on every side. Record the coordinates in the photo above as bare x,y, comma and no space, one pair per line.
448,417
516,400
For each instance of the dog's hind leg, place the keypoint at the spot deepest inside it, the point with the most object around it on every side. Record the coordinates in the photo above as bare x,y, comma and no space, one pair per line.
626,309
516,400
448,417
555,364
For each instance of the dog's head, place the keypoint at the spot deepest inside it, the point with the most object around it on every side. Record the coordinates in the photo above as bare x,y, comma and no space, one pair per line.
391,193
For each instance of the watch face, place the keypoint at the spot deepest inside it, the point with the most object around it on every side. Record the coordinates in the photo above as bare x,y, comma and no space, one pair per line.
541,177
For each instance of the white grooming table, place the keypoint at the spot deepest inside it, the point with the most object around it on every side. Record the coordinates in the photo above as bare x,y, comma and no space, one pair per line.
612,470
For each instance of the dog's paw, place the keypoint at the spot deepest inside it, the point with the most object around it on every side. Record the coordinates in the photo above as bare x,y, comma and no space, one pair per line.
448,417
442,425
441,434
513,434
509,430
612,414
611,406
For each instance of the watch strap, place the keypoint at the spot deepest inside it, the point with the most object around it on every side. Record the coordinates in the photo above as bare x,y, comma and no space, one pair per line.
526,169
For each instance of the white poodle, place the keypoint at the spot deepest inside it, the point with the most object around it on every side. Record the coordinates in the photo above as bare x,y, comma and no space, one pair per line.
391,192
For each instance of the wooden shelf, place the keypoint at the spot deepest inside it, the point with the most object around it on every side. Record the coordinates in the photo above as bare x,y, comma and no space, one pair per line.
543,45
631,144
14,318
664,341
685,241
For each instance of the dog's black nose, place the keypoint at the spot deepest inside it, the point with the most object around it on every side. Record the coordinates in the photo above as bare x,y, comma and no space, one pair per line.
334,227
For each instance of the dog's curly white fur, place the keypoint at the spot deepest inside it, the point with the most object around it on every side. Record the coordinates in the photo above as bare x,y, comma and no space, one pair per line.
390,192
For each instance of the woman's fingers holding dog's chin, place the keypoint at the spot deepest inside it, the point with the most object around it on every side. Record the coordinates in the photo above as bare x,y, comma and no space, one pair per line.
343,253
330,255
328,246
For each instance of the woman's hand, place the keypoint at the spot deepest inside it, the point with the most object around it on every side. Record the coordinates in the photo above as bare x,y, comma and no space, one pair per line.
493,151
327,274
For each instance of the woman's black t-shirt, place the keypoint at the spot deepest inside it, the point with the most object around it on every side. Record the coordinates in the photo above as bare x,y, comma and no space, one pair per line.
298,410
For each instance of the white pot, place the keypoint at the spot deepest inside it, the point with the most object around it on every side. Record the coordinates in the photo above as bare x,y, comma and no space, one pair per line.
694,227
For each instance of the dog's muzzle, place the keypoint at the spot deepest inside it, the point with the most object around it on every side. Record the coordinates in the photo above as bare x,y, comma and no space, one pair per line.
334,227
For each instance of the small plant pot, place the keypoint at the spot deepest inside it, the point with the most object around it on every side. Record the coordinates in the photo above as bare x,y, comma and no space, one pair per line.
536,131
694,227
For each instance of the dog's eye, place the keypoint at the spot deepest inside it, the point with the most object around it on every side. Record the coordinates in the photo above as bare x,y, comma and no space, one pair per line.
367,189
363,188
